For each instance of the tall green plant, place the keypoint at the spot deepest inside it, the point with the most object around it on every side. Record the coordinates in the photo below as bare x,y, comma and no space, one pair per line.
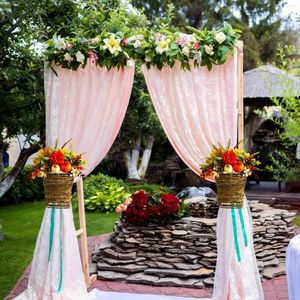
284,165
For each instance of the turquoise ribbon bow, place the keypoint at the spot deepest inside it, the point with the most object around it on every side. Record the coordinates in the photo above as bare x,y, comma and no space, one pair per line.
235,232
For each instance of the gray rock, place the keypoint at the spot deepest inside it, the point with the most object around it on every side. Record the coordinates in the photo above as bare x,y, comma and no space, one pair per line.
173,281
202,272
107,275
179,232
142,278
130,268
183,266
269,273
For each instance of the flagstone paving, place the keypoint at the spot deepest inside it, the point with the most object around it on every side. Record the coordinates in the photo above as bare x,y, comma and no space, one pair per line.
274,289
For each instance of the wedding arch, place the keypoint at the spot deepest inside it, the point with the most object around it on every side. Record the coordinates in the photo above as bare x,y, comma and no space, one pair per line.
188,75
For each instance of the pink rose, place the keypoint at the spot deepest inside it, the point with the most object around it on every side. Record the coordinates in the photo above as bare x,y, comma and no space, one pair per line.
118,209
93,56
157,36
69,46
124,42
196,46
128,201
181,41
123,207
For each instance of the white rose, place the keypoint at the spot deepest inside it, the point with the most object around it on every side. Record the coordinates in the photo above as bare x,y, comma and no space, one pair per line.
209,49
59,43
95,40
198,57
186,51
137,44
80,57
68,57
220,37
130,63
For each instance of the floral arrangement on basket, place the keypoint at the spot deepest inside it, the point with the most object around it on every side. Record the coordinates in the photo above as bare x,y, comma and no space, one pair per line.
140,208
57,167
56,161
228,161
229,167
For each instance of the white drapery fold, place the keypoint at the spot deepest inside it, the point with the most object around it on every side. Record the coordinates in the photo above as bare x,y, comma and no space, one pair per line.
45,275
87,106
198,109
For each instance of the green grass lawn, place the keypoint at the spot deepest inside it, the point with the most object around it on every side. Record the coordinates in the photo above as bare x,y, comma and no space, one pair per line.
297,221
21,224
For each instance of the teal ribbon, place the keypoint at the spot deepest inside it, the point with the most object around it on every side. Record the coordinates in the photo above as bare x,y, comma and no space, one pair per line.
60,255
52,219
235,235
243,227
51,236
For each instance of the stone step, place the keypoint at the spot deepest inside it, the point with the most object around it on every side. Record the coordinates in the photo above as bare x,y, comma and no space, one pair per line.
131,268
198,273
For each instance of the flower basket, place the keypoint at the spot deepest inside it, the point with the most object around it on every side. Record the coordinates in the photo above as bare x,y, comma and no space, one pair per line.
230,190
58,190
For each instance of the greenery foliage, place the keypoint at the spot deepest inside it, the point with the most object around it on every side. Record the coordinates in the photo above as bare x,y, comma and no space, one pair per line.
262,23
284,165
155,46
103,193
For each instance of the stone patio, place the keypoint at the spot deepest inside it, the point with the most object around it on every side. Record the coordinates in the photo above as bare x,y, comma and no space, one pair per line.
274,289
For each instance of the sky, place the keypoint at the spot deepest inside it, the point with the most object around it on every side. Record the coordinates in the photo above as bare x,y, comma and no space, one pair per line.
292,7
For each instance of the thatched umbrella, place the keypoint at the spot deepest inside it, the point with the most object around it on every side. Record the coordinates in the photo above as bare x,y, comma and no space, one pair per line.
265,82
260,86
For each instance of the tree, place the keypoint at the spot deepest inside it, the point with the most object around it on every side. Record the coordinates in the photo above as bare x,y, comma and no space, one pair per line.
139,130
285,166
260,21
24,25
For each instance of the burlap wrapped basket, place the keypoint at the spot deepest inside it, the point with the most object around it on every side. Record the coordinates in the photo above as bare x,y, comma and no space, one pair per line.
230,190
58,190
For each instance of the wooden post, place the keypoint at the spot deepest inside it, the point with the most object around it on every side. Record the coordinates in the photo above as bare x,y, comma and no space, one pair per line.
82,233
240,78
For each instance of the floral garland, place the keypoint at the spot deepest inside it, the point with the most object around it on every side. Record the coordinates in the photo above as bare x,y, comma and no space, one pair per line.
155,48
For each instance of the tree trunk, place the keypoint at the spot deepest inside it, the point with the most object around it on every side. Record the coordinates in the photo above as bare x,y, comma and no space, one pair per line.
1,157
132,159
146,157
9,180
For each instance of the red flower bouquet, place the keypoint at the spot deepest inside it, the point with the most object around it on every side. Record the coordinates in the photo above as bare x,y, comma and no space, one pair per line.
141,208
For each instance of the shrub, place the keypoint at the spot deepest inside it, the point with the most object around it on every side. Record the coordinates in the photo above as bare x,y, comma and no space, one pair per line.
151,189
104,193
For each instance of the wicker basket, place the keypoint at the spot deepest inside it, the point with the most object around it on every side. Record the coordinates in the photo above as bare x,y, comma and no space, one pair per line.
58,190
230,190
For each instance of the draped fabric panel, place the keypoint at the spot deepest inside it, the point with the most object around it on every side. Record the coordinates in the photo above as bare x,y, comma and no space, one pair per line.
45,276
87,106
198,109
